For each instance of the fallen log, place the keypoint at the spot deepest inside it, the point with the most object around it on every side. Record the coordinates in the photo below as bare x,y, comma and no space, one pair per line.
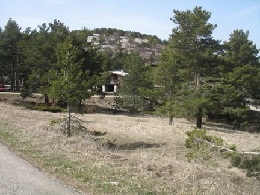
223,149
250,153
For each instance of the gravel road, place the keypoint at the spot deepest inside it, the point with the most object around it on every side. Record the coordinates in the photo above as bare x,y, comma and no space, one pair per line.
18,177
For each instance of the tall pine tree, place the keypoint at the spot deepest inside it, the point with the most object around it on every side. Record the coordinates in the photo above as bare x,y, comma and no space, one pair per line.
69,82
190,61
135,85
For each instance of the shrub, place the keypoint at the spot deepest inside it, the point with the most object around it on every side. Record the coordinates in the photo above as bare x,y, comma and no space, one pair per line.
203,146
76,126
232,147
198,136
251,163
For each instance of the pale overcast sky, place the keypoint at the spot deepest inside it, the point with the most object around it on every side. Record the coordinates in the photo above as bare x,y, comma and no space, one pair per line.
145,16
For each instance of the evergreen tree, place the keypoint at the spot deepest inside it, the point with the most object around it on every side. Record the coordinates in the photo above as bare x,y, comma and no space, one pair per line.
240,51
69,82
168,78
118,103
135,84
3,66
242,65
190,62
39,56
11,53
240,77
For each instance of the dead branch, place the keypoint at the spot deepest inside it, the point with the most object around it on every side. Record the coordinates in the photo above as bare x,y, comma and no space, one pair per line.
223,149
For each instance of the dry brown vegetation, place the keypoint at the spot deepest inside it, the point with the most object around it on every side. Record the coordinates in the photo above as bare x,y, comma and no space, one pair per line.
144,155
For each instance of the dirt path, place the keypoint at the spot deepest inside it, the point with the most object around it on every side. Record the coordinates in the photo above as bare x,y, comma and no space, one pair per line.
18,177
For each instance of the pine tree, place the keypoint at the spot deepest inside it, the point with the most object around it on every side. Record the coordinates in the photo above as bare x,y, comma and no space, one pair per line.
11,53
118,103
135,84
242,65
188,64
242,74
69,83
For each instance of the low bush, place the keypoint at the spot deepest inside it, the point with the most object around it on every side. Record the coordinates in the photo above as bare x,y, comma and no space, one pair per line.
203,146
232,147
76,126
251,163
199,136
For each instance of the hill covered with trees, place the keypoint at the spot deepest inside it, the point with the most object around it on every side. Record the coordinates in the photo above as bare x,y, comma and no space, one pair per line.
191,75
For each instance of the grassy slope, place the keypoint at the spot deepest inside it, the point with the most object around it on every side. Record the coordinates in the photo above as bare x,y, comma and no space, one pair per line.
148,157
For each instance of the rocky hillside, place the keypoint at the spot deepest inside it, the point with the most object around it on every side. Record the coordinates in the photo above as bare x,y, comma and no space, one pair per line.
149,46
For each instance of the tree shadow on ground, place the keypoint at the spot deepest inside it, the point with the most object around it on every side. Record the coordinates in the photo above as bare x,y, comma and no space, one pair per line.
252,124
220,127
135,145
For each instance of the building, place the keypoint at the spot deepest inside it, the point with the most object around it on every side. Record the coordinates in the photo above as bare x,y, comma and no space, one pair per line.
114,81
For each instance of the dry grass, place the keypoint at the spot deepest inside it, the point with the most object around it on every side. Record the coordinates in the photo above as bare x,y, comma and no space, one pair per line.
148,156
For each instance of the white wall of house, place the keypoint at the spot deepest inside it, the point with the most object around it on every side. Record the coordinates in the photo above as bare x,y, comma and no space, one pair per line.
112,85
103,88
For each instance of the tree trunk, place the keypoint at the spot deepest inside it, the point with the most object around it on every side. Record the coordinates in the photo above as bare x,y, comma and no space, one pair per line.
2,79
197,78
17,81
69,121
80,107
170,120
199,113
12,77
46,98
199,118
